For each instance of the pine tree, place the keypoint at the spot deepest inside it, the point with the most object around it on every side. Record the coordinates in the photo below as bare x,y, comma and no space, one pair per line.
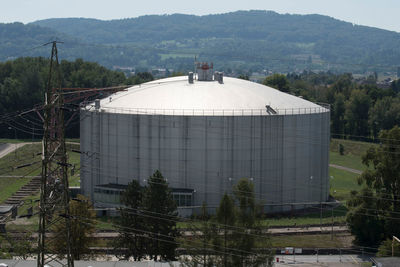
249,229
231,237
131,225
226,219
159,212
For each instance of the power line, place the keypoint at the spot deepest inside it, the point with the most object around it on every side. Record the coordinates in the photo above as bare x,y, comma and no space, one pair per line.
24,51
158,234
159,217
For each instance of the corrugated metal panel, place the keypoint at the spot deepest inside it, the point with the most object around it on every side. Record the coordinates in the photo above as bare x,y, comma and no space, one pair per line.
285,155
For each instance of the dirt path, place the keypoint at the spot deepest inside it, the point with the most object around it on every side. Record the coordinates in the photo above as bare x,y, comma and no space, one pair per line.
345,168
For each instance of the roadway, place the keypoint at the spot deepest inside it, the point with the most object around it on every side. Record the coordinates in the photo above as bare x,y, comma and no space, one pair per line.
8,148
345,168
273,231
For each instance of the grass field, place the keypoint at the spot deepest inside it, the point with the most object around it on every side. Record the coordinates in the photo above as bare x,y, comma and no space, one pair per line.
324,240
355,148
28,154
9,185
349,160
300,219
9,169
16,141
311,218
312,241
342,183
74,159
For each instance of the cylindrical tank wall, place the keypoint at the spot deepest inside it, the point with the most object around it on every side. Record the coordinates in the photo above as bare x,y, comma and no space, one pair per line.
286,156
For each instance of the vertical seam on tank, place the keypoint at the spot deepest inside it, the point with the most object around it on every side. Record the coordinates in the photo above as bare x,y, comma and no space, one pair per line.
149,141
260,178
205,157
138,148
310,172
327,147
159,142
224,149
232,148
186,140
322,157
116,145
99,146
282,122
252,146
92,178
271,148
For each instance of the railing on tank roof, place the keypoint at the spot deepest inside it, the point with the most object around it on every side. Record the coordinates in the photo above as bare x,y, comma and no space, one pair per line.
324,105
214,112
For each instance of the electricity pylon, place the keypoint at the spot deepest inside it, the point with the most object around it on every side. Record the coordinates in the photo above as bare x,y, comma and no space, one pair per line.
54,194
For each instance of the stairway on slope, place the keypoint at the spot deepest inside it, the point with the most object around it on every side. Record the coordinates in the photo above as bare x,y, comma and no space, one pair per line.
29,189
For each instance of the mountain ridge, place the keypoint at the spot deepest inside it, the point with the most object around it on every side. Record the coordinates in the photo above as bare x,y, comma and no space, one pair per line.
251,40
207,15
252,18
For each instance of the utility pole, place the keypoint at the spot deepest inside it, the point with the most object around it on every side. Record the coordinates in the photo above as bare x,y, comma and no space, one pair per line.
54,194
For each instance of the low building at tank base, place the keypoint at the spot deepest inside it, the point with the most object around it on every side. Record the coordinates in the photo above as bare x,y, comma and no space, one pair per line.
204,132
108,196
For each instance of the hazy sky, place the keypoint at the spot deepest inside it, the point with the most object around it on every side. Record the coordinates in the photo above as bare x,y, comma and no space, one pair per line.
376,13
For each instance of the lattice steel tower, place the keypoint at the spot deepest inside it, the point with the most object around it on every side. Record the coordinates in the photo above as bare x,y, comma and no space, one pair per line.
54,194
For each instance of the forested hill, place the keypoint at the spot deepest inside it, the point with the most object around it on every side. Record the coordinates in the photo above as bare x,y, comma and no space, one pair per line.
17,39
249,25
253,40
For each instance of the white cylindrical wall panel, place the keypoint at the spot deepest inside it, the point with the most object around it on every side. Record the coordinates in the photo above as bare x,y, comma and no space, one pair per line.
286,156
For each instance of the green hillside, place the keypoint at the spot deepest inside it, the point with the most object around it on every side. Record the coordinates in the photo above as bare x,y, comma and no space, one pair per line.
246,40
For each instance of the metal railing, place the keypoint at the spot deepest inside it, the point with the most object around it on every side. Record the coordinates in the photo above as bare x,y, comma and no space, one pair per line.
322,108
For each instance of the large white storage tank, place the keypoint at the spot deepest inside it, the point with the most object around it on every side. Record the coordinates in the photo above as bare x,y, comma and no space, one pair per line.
204,136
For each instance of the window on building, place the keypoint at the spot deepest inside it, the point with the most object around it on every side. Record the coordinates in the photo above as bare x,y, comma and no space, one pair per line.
104,195
183,199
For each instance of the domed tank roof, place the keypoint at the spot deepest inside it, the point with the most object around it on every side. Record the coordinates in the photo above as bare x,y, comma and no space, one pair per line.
176,96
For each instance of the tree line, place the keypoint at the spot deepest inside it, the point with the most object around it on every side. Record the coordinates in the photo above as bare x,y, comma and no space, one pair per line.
148,228
234,235
358,107
23,82
374,211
